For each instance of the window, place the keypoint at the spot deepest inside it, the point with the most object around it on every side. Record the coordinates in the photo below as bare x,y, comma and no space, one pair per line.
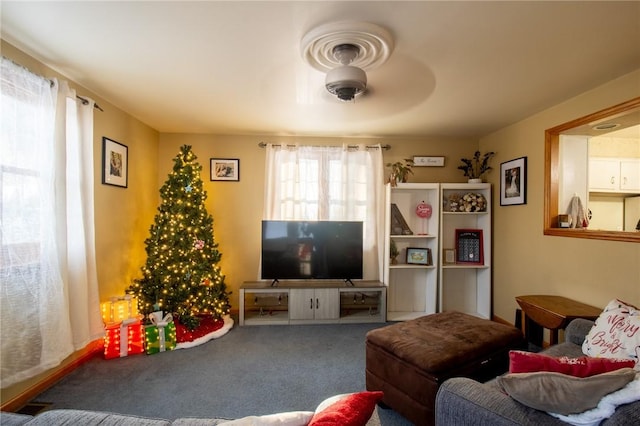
48,287
320,184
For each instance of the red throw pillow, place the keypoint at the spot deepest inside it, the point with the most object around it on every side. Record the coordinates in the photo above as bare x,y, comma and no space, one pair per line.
353,410
584,366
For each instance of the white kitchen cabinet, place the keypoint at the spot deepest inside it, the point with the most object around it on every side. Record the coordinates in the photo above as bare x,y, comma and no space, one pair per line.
615,175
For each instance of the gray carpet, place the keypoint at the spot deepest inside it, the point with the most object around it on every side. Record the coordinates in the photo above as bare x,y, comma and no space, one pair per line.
249,371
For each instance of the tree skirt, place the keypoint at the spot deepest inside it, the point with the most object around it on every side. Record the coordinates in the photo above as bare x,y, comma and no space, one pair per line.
208,329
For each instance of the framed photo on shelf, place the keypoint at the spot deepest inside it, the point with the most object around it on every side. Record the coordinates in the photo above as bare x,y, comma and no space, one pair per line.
449,256
115,163
513,182
225,169
469,246
419,256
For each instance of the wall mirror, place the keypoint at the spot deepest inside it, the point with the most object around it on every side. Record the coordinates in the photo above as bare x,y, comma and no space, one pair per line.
597,159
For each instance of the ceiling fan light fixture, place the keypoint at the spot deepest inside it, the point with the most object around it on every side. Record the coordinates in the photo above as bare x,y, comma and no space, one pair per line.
606,126
344,50
346,82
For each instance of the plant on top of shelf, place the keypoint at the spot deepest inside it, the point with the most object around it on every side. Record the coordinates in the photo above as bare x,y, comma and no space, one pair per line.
400,171
477,166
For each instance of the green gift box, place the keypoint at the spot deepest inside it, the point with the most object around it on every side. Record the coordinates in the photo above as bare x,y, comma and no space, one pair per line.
160,337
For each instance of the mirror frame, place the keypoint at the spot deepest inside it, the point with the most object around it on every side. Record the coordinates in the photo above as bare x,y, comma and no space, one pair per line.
551,164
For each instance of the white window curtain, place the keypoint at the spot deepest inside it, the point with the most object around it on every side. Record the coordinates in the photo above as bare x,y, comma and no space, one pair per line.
329,183
49,295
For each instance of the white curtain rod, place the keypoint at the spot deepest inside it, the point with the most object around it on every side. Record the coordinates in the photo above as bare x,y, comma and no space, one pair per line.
387,146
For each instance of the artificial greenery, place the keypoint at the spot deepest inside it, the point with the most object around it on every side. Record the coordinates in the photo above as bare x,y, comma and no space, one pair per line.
181,275
393,250
477,166
400,170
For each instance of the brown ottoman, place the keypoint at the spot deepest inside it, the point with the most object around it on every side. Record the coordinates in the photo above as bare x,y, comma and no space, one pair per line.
408,361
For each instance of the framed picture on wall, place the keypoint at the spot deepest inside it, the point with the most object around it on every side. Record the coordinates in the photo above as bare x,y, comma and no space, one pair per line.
225,169
115,163
513,182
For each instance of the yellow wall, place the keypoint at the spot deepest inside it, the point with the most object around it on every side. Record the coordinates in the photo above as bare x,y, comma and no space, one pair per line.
237,206
122,216
526,261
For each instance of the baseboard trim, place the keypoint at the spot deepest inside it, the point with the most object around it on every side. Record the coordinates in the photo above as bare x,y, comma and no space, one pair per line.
94,348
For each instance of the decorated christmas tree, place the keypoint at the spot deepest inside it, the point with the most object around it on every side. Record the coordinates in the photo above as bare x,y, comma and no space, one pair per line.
181,275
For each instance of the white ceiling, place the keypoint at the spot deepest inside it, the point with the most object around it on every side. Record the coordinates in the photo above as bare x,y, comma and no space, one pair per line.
459,69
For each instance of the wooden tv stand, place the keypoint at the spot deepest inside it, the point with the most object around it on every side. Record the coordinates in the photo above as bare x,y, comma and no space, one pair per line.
312,302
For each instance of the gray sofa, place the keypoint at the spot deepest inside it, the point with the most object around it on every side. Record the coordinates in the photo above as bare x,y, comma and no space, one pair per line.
82,417
96,418
66,417
462,401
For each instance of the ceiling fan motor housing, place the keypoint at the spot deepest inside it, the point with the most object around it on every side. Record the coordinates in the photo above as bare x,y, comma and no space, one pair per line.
346,82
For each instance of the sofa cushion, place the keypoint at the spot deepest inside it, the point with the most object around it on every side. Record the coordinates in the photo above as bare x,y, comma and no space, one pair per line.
197,421
346,410
291,418
14,419
528,362
65,417
616,333
561,393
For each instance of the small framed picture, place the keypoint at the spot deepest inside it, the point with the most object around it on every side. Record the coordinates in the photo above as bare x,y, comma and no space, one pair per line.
513,182
449,256
225,169
115,163
419,256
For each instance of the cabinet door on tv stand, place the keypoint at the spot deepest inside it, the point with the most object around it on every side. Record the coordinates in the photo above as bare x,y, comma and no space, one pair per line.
314,304
301,304
327,303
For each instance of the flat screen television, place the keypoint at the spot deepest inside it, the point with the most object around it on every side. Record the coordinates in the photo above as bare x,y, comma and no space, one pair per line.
302,250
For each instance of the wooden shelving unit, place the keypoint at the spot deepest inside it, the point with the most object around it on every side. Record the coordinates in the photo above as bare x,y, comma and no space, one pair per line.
411,288
465,287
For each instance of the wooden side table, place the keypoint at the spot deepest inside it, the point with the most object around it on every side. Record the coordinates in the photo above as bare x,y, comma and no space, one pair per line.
554,312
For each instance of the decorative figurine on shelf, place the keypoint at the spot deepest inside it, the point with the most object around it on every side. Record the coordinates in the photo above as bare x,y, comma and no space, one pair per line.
472,202
424,211
477,166
400,171
393,252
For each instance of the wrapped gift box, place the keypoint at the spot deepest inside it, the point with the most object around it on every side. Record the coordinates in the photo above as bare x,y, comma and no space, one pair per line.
124,338
161,334
118,309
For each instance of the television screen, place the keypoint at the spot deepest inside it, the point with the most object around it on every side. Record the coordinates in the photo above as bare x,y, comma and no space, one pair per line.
311,250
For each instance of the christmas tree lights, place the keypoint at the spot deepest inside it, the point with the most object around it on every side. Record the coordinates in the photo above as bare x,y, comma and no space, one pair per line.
181,275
